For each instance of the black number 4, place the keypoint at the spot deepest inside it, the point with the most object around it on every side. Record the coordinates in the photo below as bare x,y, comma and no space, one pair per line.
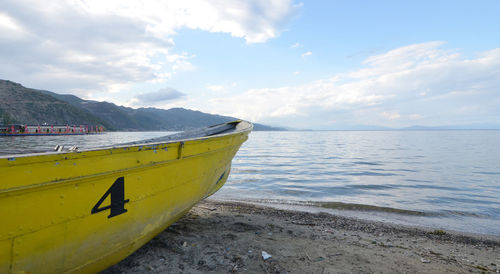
117,192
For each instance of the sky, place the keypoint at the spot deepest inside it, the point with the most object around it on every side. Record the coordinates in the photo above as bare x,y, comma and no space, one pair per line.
298,64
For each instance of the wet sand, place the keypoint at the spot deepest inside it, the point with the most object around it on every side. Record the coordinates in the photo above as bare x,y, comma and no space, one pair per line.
220,237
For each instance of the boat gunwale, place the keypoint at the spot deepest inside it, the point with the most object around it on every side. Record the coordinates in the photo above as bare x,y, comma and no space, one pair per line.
68,181
248,128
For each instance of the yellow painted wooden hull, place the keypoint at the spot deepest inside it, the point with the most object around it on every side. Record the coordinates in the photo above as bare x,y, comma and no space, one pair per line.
56,213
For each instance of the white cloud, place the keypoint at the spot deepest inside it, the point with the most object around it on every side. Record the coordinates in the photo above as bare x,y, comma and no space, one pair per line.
7,23
391,116
256,21
215,88
82,45
415,116
423,81
157,97
10,29
296,45
307,53
179,62
220,88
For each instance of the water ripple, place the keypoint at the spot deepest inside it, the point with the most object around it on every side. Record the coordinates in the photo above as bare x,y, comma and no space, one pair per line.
419,170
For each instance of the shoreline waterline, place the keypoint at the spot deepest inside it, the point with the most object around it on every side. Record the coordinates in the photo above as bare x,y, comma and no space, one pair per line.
453,222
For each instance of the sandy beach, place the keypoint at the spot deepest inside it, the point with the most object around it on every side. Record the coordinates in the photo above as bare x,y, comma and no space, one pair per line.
220,237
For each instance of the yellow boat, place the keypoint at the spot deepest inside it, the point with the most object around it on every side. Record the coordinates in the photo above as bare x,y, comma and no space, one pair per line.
83,211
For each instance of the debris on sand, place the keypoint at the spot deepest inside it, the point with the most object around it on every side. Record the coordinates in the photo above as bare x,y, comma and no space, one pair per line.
265,255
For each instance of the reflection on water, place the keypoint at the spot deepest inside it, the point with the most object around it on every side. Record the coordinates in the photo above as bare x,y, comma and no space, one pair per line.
451,177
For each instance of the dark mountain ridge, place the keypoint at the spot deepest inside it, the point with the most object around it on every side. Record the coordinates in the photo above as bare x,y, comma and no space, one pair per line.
28,106
22,105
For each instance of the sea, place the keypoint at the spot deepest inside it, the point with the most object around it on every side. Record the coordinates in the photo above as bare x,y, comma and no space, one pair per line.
436,179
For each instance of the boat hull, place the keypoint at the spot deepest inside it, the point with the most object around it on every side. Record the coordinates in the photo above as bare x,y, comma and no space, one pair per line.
82,212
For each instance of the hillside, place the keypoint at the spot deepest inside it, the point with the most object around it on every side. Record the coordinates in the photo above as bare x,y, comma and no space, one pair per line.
31,106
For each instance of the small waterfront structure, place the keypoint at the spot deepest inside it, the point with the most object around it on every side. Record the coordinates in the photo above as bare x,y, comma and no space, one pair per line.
33,130
85,210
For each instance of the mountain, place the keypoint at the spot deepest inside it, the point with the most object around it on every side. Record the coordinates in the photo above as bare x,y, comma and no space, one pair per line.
30,106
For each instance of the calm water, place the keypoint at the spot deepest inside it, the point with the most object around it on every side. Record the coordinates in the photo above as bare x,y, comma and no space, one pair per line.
451,177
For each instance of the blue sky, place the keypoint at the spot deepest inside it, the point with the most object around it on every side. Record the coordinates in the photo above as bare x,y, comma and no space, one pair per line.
307,64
